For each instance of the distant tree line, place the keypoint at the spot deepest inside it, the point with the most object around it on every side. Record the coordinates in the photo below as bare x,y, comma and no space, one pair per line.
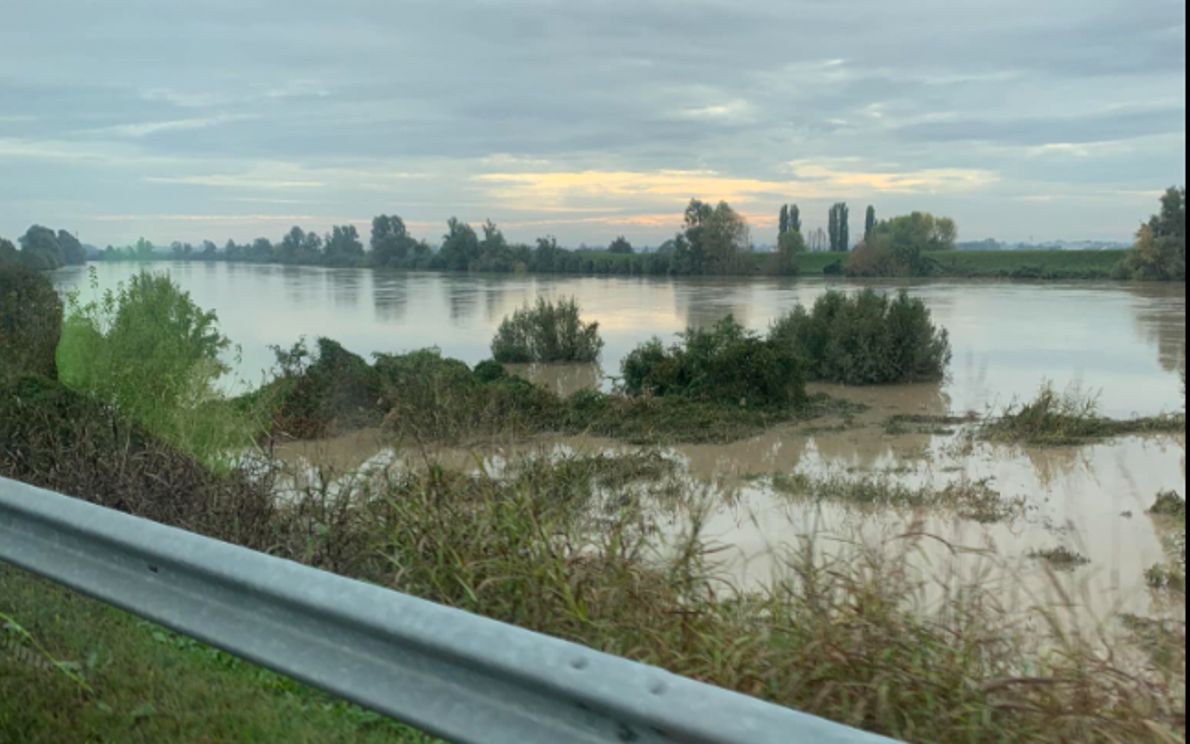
714,239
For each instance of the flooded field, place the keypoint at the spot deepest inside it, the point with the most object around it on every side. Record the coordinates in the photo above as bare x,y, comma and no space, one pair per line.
771,493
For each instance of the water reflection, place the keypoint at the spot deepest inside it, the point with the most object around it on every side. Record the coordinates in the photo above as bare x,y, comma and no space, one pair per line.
704,303
390,295
1159,322
462,298
345,286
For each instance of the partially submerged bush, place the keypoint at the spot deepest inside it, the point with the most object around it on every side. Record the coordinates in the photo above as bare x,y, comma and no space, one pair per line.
316,393
547,332
1169,504
865,339
432,397
30,323
725,363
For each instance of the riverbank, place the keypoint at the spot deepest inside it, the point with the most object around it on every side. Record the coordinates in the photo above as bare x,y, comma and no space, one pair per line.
1043,265
1052,265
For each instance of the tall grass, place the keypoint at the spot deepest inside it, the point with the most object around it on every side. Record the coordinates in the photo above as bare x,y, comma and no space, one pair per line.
1069,417
852,638
550,331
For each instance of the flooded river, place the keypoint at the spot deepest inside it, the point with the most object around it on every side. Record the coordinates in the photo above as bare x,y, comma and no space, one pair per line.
1125,342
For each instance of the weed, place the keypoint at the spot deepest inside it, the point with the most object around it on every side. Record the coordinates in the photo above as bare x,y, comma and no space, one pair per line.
1060,558
1072,417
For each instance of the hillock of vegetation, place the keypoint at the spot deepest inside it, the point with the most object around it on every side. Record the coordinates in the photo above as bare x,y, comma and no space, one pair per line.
316,393
550,331
865,339
725,363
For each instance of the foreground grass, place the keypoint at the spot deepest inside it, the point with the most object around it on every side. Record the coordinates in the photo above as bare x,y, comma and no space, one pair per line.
126,680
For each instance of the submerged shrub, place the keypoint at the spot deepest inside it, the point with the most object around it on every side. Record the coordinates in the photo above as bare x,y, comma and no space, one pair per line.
865,339
149,350
547,332
725,363
432,397
30,323
317,392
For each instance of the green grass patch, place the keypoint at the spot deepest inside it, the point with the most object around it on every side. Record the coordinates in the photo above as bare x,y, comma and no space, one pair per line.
79,670
1036,264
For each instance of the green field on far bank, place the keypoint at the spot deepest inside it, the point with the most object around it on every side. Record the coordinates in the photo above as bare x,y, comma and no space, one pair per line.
1035,264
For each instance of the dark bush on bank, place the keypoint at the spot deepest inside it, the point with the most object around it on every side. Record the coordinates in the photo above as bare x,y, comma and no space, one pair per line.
725,363
53,437
30,323
318,393
865,339
431,397
547,332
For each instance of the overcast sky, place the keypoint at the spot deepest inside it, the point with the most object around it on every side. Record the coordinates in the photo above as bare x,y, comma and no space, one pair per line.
238,118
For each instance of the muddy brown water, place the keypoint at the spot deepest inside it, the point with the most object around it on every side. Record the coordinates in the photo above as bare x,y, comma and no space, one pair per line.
1125,342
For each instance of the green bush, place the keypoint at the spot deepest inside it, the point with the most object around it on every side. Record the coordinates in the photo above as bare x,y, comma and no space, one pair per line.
547,332
726,363
316,393
149,350
865,339
433,398
30,323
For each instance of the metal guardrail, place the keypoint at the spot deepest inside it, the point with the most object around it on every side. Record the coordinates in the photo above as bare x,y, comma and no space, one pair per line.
445,671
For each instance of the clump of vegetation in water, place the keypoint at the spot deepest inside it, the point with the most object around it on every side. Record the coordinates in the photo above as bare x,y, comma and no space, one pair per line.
1054,418
1060,558
865,339
1165,578
149,350
974,500
547,332
318,393
434,398
725,364
1169,504
902,423
30,323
